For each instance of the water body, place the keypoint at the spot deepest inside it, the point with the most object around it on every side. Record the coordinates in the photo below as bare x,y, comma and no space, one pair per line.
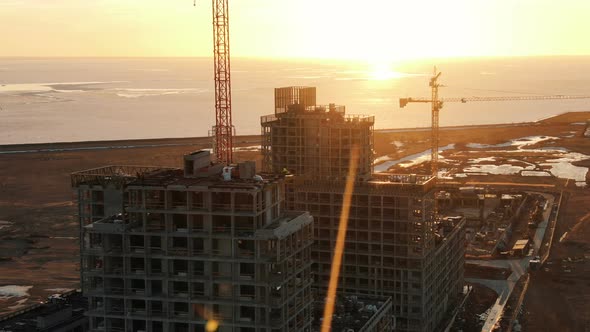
65,100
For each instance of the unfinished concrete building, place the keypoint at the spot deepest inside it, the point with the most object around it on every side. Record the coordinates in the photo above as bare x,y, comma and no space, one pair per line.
304,138
394,245
195,246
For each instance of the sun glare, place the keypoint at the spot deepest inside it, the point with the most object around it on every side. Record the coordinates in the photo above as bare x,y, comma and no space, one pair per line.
382,71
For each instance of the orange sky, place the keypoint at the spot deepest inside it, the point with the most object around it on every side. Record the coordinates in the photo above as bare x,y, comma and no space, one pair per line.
378,30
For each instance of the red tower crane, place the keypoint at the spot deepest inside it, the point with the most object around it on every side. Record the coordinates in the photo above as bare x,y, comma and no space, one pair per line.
223,129
437,105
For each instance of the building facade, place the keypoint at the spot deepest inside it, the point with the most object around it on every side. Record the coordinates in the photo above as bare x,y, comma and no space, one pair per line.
306,139
193,247
395,246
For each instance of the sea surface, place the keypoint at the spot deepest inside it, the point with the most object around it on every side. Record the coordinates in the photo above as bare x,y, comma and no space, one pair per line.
81,99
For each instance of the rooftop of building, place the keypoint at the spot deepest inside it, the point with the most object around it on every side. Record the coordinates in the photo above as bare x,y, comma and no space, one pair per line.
160,177
163,177
520,244
336,114
204,174
351,312
446,226
112,174
378,183
300,102
53,309
176,177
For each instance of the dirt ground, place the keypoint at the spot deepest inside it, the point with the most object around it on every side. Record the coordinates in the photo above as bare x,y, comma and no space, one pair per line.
486,272
38,225
558,294
39,230
479,301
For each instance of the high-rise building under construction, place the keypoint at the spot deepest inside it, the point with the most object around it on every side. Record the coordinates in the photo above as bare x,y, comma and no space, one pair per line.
175,250
304,138
395,247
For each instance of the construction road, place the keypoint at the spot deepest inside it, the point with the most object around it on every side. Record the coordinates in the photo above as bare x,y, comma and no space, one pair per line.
517,266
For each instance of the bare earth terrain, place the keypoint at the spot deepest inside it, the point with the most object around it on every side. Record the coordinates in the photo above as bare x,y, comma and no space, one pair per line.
38,225
558,295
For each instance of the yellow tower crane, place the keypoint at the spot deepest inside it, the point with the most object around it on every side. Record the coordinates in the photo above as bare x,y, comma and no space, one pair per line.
437,105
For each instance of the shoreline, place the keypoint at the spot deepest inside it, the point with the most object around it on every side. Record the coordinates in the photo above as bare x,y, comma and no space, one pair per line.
206,140
117,144
462,127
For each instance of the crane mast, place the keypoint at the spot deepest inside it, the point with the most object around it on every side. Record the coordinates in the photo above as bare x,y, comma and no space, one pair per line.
223,129
436,106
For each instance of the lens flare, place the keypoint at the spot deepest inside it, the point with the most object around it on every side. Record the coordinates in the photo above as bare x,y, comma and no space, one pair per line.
339,249
212,326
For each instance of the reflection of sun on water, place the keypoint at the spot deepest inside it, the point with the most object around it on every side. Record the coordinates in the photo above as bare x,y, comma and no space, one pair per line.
381,71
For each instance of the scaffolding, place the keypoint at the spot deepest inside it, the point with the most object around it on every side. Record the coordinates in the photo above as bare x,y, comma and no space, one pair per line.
287,96
314,140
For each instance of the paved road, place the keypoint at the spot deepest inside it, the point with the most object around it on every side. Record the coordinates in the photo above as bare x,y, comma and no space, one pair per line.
517,266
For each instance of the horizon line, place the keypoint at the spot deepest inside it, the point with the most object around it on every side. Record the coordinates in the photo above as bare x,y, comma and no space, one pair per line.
280,58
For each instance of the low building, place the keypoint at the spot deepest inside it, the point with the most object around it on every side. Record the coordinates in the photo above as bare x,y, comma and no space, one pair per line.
521,247
60,313
357,314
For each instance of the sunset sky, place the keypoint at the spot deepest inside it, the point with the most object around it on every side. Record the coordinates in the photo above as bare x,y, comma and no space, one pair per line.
342,29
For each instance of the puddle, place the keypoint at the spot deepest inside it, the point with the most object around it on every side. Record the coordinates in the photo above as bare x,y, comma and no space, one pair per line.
248,148
408,161
398,144
519,142
14,291
535,173
5,224
504,169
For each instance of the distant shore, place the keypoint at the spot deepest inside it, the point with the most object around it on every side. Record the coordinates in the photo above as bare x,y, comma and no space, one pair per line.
190,141
118,144
493,125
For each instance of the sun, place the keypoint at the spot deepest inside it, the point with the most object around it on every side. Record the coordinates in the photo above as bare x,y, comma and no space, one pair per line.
382,70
